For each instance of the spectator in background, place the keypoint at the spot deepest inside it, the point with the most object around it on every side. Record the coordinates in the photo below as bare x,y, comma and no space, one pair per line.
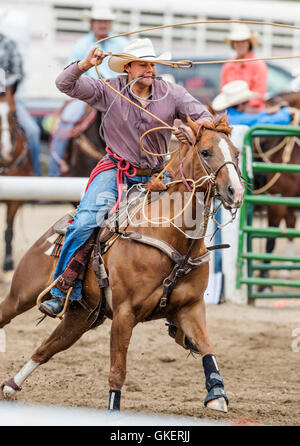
234,100
12,64
101,20
254,73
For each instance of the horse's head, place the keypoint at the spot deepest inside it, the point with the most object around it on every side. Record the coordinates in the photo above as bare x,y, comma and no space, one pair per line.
214,154
7,123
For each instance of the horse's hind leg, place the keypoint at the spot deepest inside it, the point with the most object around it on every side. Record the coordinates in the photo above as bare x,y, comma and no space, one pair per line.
12,207
275,214
290,220
25,286
192,321
121,331
13,305
72,327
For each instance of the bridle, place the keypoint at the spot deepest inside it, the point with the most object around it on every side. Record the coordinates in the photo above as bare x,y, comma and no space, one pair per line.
209,172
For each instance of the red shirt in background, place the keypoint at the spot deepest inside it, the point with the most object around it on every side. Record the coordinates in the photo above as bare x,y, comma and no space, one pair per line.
254,73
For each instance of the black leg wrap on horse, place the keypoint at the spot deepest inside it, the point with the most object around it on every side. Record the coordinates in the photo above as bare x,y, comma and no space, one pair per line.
114,402
213,381
214,393
8,263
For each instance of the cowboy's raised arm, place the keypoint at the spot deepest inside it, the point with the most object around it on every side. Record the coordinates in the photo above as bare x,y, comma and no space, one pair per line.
84,88
94,57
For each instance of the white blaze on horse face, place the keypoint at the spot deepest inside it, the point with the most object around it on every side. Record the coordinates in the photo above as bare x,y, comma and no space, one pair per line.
6,144
233,176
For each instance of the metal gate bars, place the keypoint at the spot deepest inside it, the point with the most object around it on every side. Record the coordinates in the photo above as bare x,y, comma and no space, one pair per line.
246,258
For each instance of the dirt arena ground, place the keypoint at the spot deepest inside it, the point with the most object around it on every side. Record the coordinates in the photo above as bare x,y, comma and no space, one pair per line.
256,349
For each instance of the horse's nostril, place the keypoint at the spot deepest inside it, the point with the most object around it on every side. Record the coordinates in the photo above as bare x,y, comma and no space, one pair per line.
231,190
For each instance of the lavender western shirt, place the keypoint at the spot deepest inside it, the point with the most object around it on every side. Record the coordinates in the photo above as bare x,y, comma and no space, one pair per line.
125,123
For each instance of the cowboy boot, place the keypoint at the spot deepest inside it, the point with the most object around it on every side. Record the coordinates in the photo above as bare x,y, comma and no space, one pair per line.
52,307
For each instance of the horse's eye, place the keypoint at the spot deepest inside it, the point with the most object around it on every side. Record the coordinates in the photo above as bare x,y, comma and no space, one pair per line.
205,153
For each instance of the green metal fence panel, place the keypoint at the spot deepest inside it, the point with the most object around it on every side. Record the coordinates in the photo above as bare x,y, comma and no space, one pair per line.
272,232
269,257
275,167
246,230
268,199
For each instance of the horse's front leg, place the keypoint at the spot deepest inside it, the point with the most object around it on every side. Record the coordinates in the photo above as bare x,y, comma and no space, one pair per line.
121,331
192,321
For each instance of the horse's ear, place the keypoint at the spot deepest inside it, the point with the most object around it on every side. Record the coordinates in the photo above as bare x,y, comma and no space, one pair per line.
194,126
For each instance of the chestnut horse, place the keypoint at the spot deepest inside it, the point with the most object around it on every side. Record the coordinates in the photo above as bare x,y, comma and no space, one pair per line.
14,161
137,272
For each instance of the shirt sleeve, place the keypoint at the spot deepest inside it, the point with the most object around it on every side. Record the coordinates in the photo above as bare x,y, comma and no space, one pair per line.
72,83
282,117
187,105
243,118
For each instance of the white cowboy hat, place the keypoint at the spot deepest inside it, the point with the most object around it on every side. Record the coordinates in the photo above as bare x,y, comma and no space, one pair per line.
233,93
97,13
136,50
240,31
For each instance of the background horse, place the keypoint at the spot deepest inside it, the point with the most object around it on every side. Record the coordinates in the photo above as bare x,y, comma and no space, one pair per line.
14,161
290,99
138,272
287,185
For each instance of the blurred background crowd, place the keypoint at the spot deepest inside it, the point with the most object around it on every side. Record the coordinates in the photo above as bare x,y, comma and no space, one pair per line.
50,34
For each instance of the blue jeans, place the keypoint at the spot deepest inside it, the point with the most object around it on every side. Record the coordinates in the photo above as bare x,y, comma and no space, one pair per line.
71,113
33,133
91,212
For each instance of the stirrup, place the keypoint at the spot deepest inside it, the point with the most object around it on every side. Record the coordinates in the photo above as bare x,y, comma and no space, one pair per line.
46,290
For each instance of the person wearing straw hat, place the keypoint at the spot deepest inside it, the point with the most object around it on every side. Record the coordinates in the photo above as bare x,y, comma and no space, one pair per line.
234,100
122,128
254,72
101,21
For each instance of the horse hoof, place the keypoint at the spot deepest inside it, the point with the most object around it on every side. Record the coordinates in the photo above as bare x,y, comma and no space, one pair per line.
218,404
8,393
9,389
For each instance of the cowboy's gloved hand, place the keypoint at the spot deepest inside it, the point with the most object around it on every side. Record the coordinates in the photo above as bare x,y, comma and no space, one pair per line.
94,57
184,134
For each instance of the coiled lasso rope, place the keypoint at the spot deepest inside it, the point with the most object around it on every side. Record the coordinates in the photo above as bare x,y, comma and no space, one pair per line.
187,63
184,64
